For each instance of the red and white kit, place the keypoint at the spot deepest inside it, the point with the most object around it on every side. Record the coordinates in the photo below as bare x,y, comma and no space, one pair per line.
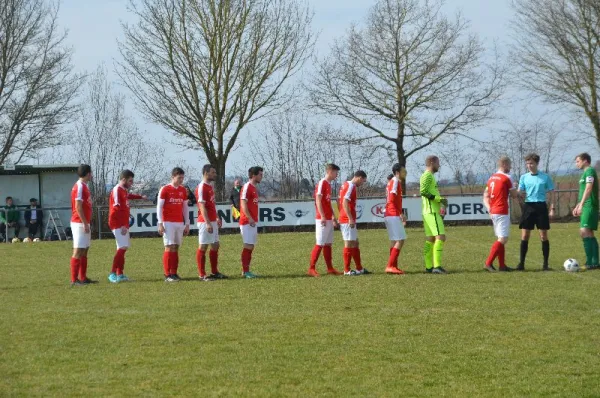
499,186
206,195
348,191
118,214
393,210
249,193
173,212
324,233
81,193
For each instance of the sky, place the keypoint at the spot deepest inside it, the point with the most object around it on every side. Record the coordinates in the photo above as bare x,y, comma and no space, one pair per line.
94,26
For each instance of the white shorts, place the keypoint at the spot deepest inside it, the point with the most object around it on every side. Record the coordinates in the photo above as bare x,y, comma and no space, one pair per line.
324,233
249,234
395,228
81,240
205,238
173,233
501,225
122,240
349,233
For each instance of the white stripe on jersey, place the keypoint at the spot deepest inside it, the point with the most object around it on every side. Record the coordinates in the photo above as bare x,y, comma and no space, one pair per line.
115,193
160,203
395,186
200,193
349,192
320,187
244,191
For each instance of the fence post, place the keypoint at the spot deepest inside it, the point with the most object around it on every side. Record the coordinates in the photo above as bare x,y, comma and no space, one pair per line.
5,225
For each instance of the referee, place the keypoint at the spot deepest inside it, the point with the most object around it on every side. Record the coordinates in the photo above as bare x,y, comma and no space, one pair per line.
535,186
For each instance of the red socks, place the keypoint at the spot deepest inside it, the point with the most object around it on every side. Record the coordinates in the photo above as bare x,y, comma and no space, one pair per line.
166,264
174,263
83,268
393,261
494,252
201,261
118,262
75,264
501,254
356,257
347,254
214,261
328,257
246,259
314,256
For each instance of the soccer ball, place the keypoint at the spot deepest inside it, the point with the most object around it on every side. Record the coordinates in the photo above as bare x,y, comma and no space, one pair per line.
27,240
571,265
16,240
36,240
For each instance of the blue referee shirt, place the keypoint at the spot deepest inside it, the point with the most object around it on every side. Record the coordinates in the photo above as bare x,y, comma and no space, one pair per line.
536,186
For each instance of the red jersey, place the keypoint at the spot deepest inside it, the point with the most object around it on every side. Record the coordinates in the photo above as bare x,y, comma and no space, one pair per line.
81,193
118,212
498,187
174,201
393,201
205,194
348,191
250,195
323,188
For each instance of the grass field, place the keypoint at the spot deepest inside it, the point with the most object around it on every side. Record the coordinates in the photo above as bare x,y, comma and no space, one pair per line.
465,334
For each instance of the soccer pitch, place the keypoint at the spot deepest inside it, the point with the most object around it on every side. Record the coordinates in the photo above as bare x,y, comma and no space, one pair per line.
469,333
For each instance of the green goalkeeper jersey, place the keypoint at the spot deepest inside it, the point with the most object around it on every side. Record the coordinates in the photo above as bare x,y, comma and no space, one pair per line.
429,193
589,176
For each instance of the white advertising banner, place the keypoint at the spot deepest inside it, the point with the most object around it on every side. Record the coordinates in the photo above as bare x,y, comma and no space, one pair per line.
279,214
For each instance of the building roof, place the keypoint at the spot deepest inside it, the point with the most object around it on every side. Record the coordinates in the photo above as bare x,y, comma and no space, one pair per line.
39,169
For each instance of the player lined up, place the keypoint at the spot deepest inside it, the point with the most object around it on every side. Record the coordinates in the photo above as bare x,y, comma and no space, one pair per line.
173,219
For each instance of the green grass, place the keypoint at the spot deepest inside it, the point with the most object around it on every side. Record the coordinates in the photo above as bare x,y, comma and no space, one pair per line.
465,334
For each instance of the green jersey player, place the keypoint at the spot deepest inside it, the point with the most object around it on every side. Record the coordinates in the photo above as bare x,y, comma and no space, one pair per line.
432,206
587,208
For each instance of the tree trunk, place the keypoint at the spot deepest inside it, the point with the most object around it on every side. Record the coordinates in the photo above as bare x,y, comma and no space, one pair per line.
220,193
400,152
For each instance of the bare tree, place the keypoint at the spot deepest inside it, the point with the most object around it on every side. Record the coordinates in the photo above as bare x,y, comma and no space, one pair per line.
467,165
108,140
37,83
409,77
294,152
204,69
558,45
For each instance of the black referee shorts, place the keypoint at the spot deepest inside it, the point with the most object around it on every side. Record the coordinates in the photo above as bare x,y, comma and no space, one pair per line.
535,214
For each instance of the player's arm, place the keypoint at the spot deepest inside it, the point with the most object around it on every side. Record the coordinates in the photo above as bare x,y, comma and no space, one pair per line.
204,213
486,199
136,197
160,204
80,213
550,196
320,208
428,190
186,217
346,205
244,205
587,193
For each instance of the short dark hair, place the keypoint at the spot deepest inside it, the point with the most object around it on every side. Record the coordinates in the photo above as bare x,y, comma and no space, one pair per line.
585,157
207,167
430,159
332,166
389,177
83,170
177,171
126,174
254,171
360,174
396,168
8,198
533,156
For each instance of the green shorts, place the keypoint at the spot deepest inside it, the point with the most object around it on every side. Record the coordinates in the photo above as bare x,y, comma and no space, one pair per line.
589,218
434,224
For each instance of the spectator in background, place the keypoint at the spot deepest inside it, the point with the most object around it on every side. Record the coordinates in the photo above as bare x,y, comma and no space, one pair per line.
191,197
9,218
235,194
33,218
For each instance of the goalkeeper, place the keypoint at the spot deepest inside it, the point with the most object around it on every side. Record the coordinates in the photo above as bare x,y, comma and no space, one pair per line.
433,207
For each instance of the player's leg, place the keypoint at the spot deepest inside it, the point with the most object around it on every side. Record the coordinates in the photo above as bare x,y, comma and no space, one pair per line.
360,270
397,235
348,248
526,225
429,242
118,266
588,224
214,255
327,250
542,223
438,246
77,232
249,237
171,241
320,234
204,240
